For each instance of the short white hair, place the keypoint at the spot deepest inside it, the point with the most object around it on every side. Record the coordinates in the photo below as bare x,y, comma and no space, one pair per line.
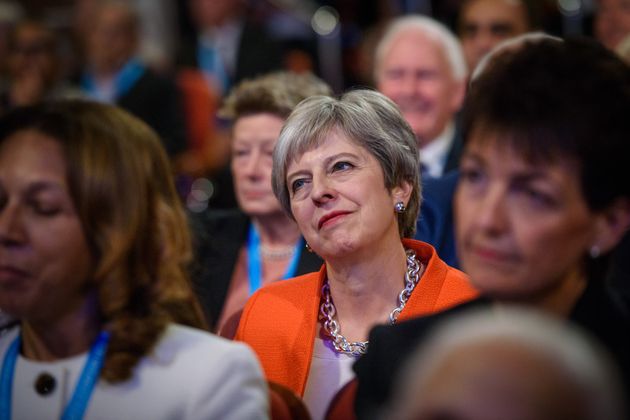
586,365
431,28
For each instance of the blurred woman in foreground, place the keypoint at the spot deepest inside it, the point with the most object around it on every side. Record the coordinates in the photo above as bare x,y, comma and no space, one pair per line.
542,200
93,251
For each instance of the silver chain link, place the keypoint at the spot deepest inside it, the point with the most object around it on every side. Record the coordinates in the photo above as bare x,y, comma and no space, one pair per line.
327,310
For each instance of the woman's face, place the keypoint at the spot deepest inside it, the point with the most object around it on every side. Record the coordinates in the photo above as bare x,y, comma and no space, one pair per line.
339,199
44,258
522,229
254,138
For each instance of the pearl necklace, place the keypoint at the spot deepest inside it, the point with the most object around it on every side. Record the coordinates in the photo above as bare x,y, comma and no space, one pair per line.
327,310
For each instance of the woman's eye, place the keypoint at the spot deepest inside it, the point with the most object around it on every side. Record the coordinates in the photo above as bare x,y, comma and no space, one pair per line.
538,197
470,175
342,166
297,184
240,152
45,209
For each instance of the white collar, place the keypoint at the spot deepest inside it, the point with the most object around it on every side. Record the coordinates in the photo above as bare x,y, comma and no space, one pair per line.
433,156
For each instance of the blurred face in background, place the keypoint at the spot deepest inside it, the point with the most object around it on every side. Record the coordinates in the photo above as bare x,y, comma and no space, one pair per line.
32,54
112,38
253,139
416,75
523,228
45,261
209,13
612,22
485,23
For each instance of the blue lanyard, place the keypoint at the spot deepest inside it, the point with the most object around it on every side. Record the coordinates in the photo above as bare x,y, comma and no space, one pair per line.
210,62
82,393
254,263
123,81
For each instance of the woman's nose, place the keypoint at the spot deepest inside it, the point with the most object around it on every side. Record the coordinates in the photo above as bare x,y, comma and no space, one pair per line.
253,165
11,229
322,190
491,211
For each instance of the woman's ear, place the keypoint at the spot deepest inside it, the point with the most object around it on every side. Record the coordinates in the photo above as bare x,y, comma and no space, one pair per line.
613,223
402,192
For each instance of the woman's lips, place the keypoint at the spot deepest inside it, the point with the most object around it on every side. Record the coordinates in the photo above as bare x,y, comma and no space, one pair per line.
328,218
9,274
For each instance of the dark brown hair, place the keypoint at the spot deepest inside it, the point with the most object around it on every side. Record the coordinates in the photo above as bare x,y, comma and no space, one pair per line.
122,187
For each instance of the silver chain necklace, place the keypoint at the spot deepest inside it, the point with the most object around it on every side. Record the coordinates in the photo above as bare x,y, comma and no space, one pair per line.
327,310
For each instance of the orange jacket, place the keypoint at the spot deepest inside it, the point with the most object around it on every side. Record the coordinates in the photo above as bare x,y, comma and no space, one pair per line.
280,320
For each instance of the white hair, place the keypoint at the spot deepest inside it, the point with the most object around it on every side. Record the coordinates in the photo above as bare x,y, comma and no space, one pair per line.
433,29
582,360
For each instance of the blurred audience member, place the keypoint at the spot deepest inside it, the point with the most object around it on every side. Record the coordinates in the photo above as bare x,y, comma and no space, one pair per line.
536,225
485,23
115,74
229,46
244,249
157,33
33,67
93,255
11,13
512,364
612,22
419,64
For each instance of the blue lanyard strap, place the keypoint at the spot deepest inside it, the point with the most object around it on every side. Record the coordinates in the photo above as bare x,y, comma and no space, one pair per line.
254,262
83,391
124,80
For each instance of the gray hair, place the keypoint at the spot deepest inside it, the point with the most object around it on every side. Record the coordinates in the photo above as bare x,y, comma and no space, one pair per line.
275,93
433,29
583,363
367,118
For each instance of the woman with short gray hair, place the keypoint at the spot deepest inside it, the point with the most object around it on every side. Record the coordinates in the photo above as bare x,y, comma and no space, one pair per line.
347,171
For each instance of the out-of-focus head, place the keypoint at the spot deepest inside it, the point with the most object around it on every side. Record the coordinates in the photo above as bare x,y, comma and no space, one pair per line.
508,364
612,22
485,23
258,109
212,13
377,143
419,64
32,48
112,38
540,198
87,201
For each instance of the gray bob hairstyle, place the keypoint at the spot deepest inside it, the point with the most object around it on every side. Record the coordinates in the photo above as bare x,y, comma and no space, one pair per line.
367,118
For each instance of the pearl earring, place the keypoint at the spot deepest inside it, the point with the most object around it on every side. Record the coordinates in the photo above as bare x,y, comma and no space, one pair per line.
308,248
399,207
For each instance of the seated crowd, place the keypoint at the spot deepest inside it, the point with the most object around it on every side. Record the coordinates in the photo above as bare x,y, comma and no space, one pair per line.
228,238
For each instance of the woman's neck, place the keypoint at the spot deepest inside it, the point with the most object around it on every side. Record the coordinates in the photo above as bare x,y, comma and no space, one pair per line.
276,229
69,335
561,299
365,292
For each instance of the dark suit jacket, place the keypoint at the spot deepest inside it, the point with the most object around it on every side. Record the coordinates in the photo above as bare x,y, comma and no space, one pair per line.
257,54
219,235
599,311
457,148
435,222
156,100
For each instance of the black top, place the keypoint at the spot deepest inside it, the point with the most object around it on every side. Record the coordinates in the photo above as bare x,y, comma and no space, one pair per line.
219,235
598,311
